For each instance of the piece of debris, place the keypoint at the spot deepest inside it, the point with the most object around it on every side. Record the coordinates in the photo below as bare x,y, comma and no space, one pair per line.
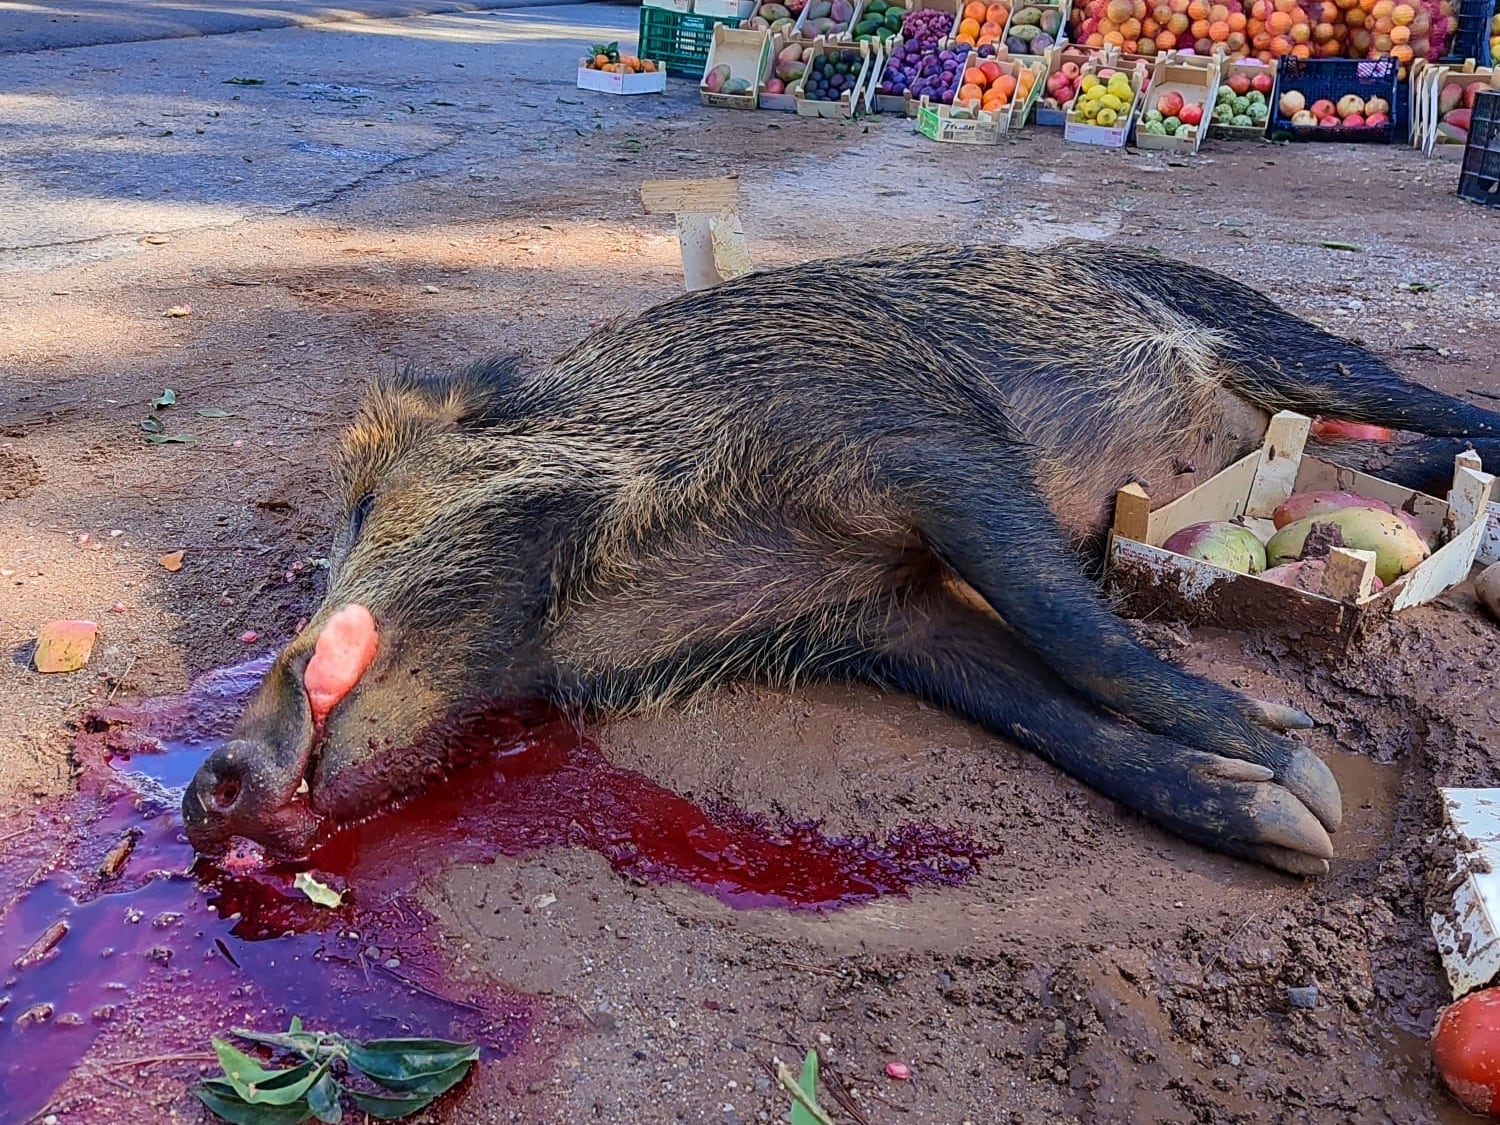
1304,997
179,310
64,646
320,893
897,1070
172,561
249,636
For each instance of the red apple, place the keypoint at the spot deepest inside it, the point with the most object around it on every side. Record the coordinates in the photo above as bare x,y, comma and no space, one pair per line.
1240,84
1323,108
1263,83
1190,114
1170,104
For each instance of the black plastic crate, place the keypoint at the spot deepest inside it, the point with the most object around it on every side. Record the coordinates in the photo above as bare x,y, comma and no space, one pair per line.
1479,181
1471,39
678,40
1317,79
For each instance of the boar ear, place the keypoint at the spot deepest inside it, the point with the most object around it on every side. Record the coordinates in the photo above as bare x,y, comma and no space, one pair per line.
472,395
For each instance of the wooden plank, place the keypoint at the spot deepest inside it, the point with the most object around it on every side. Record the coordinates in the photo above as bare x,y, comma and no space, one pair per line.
1350,574
1132,512
1316,475
697,197
1221,497
1489,543
1449,565
1280,456
1471,489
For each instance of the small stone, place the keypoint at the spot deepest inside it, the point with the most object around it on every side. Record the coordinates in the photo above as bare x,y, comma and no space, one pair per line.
249,636
824,1039
762,1084
1304,997
740,1043
118,607
50,1119
393,962
1235,1058
429,289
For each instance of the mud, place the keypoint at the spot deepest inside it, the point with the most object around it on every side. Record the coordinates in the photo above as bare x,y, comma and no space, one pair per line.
1093,969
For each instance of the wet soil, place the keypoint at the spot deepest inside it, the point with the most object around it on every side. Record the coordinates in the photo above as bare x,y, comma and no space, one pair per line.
1092,969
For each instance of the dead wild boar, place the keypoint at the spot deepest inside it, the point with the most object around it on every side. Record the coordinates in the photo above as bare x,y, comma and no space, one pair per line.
912,496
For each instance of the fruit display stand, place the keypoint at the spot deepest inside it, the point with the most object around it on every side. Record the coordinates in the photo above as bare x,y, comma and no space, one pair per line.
1067,61
830,20
1479,180
1150,579
1034,29
620,74
775,92
1442,102
859,60
1176,91
1254,71
678,42
736,67
1320,81
1114,134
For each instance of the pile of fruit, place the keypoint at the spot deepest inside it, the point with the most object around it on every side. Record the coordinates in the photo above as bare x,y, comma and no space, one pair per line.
1271,29
1242,101
1173,116
1033,30
986,87
789,67
1495,39
831,74
719,81
1307,525
1350,112
933,72
607,57
981,24
1455,111
827,18
880,20
778,19
1104,99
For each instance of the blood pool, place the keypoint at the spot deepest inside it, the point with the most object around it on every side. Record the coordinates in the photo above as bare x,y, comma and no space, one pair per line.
344,651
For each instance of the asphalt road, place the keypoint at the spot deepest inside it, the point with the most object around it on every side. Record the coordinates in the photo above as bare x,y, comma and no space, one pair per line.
38,25
103,145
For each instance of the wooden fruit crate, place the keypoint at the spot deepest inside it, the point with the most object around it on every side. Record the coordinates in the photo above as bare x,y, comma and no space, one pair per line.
1150,580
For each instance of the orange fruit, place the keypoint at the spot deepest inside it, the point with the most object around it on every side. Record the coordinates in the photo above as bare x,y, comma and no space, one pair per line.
1281,45
974,10
997,13
1300,33
1218,32
1200,29
1131,28
1178,24
1236,21
1198,10
1165,41
1302,51
1006,85
1236,42
1114,39
991,28
1094,41
1400,34
969,93
1218,13
1402,53
1118,11
973,76
1261,41
966,40
1279,23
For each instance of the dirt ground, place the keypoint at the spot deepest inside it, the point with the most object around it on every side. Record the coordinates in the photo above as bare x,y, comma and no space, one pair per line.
1096,970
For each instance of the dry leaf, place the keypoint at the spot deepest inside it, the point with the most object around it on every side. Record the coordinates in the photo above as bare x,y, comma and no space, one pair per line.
320,893
64,646
172,562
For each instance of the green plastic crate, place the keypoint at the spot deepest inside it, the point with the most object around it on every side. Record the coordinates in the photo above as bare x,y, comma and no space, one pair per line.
679,40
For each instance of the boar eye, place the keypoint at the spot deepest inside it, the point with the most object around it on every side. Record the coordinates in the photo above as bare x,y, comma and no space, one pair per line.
357,519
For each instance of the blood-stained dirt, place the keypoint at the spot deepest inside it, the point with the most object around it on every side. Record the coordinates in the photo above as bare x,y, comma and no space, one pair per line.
1093,969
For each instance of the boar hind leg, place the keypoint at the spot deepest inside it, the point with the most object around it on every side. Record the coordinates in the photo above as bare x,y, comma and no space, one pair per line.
974,666
981,513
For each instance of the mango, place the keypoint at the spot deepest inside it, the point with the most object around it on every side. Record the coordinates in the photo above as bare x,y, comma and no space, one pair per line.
1487,589
774,12
1397,547
739,86
1222,543
1300,505
714,80
64,646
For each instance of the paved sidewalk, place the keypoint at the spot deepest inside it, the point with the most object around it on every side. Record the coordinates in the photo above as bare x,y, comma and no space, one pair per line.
39,25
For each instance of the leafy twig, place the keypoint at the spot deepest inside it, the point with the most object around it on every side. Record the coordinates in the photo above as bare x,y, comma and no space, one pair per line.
799,1095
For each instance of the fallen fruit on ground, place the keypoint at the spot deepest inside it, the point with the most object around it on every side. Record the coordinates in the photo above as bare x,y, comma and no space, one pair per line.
1466,1049
64,646
1222,543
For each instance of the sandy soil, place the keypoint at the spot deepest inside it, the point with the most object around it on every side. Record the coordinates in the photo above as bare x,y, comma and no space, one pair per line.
1096,970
